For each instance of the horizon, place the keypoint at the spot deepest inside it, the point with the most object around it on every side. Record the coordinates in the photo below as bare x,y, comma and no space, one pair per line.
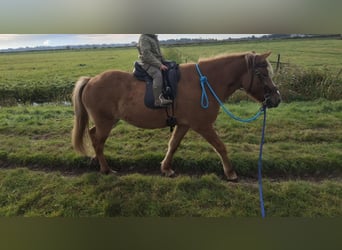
16,41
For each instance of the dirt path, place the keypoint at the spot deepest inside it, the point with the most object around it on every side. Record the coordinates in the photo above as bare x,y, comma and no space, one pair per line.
93,168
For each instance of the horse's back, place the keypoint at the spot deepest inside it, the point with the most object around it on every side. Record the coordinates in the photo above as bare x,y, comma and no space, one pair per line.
111,79
109,83
104,90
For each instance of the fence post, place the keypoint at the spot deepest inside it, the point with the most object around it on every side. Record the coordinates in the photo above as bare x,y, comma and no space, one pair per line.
278,63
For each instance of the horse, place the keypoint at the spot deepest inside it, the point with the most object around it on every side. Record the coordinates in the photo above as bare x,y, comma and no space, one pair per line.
117,95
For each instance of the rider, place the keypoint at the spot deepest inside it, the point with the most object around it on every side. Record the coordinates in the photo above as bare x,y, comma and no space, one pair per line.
151,60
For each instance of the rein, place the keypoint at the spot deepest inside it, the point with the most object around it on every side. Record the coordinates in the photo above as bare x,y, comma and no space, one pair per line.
205,104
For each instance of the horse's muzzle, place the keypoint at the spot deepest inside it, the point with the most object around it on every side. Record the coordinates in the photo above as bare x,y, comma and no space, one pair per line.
272,101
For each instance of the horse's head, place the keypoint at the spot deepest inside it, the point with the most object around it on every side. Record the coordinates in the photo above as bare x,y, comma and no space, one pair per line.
258,80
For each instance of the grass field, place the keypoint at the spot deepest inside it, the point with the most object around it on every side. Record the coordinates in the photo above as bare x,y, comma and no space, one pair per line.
311,53
41,175
302,139
31,193
50,76
302,167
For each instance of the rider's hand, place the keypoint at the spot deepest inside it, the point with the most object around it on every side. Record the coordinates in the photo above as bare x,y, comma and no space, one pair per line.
163,67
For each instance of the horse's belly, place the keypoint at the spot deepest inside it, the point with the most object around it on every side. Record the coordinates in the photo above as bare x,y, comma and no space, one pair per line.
142,117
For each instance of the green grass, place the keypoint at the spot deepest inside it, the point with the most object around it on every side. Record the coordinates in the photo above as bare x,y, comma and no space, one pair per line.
49,76
302,138
305,53
303,142
31,193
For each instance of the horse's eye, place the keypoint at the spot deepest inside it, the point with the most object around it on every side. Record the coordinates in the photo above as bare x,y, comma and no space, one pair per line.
261,75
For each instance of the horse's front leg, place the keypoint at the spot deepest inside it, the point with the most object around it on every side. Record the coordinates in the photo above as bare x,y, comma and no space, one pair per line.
174,142
211,136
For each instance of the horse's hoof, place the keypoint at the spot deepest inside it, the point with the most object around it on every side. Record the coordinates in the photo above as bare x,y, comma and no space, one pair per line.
169,173
108,171
234,180
231,176
112,171
93,162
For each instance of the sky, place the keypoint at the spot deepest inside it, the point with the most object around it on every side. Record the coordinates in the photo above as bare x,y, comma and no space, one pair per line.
30,40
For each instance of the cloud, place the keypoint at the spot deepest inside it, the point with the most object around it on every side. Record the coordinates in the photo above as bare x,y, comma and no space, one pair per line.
106,38
30,40
22,40
46,43
9,37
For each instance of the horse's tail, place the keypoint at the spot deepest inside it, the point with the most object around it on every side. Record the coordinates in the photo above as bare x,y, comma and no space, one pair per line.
81,117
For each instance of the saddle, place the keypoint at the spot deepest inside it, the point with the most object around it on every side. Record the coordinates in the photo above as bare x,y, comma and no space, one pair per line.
171,78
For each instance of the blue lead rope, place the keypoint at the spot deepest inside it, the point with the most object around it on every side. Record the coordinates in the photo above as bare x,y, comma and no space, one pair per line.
205,104
205,101
262,208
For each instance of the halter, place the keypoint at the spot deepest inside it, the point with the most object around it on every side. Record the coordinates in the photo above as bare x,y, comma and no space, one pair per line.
255,71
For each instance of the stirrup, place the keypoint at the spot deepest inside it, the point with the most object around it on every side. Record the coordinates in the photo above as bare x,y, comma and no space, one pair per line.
162,105
162,102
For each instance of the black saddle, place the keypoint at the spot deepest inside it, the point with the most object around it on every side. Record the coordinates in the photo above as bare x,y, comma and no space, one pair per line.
171,78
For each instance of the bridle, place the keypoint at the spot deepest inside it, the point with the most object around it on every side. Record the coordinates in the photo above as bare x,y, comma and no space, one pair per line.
262,77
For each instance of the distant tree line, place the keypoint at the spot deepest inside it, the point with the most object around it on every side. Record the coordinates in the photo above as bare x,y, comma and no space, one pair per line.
181,41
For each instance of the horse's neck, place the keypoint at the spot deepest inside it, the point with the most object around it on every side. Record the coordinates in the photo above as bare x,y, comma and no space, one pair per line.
224,74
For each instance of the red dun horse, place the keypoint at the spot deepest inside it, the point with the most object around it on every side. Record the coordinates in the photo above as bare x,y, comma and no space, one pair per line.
114,95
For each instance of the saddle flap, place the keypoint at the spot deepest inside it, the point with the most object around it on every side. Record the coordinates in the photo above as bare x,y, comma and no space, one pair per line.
140,73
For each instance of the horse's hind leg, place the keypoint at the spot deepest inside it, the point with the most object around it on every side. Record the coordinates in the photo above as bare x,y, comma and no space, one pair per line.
174,142
211,136
99,134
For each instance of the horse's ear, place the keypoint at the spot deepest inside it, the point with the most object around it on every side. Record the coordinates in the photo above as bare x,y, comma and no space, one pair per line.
267,54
